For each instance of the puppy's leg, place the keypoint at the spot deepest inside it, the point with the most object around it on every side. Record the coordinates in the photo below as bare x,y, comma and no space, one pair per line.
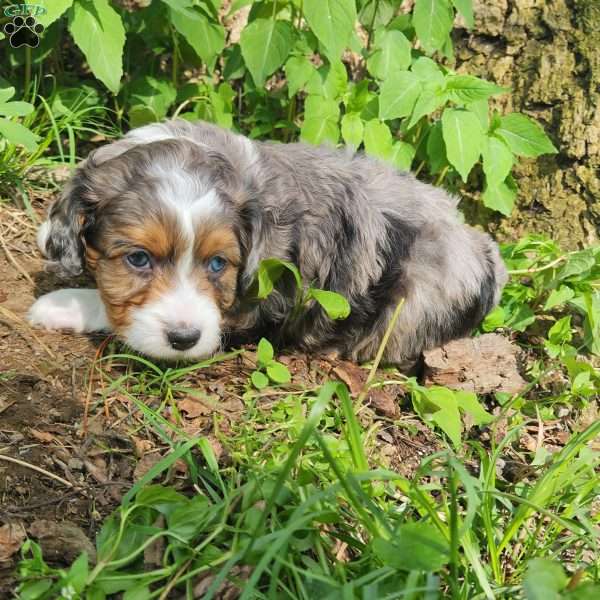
79,310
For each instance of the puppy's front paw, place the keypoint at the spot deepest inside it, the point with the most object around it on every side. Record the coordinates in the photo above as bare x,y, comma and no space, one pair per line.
72,309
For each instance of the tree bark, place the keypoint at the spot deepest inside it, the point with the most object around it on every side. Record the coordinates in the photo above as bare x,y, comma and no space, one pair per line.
548,53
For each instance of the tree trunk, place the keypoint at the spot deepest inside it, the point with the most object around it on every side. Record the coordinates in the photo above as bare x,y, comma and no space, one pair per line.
548,53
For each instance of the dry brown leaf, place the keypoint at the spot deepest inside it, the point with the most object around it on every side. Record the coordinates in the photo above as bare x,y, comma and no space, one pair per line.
194,407
62,540
145,464
12,536
42,436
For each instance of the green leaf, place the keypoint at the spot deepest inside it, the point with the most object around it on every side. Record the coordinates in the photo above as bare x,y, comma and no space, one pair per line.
78,572
436,149
398,95
432,20
298,71
402,155
266,43
524,136
465,8
54,10
413,547
544,580
466,88
500,197
497,160
428,72
334,304
558,297
463,137
447,418
150,99
162,498
264,352
269,272
560,332
205,37
98,31
15,109
259,380
468,403
494,319
428,101
392,53
188,519
278,372
321,117
16,133
521,319
332,21
577,263
6,94
352,129
378,139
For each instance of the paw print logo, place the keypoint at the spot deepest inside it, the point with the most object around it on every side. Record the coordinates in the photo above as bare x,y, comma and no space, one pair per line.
24,32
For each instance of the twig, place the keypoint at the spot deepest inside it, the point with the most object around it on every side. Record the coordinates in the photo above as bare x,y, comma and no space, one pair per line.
11,315
550,265
88,396
27,465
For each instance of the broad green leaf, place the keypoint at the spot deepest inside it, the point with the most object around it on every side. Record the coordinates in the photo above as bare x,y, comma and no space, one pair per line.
98,31
332,21
321,117
544,580
270,271
524,136
336,80
15,109
298,71
334,304
499,197
204,36
577,263
561,331
468,403
559,296
428,72
398,95
429,100
6,94
447,418
378,139
16,133
54,10
414,547
264,352
465,8
278,372
497,160
188,519
436,149
265,45
466,88
78,572
391,54
432,20
402,155
154,96
521,319
162,498
352,129
480,108
494,319
358,96
259,380
463,137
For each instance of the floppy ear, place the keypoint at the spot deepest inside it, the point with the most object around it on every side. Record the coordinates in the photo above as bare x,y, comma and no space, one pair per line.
60,237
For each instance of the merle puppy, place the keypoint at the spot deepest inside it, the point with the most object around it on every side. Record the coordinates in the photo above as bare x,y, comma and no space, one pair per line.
174,219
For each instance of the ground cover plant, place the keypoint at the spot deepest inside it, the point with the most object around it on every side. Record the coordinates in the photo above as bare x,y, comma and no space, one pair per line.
258,475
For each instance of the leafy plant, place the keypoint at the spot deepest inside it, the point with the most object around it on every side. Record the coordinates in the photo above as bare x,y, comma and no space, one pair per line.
275,371
287,76
271,270
14,132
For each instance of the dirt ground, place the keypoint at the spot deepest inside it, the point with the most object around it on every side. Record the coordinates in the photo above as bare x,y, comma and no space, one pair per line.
72,470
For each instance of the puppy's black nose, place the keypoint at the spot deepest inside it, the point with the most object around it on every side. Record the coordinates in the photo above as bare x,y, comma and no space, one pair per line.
183,338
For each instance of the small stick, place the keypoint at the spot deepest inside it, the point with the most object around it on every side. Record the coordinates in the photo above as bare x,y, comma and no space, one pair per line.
27,465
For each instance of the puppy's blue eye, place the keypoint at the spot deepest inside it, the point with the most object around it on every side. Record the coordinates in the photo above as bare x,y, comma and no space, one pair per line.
139,259
216,264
